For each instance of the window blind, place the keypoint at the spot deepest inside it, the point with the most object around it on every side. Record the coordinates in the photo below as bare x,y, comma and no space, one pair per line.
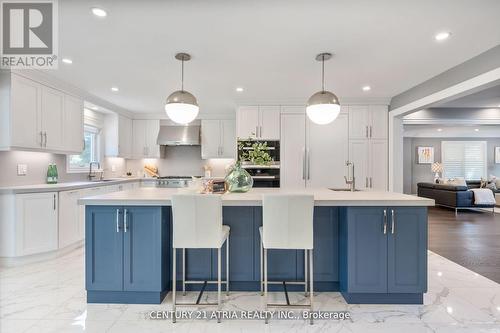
464,159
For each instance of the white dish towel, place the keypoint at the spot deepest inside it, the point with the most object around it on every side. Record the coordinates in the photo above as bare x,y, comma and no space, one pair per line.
483,196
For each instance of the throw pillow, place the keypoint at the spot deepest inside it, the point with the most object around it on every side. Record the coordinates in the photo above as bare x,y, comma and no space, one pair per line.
483,184
492,186
459,181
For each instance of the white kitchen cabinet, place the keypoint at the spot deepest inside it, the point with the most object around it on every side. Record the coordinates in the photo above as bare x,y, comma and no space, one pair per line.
118,136
36,223
379,168
368,121
145,135
37,117
124,136
258,122
379,122
327,153
368,132
52,119
247,122
218,139
314,157
292,150
73,124
70,218
359,152
24,114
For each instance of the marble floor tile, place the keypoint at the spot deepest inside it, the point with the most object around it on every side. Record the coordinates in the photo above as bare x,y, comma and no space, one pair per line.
50,297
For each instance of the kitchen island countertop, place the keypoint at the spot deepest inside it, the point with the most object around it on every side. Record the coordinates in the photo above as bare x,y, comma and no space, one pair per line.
322,197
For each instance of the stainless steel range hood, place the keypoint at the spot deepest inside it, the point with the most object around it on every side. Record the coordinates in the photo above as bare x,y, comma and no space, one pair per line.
179,135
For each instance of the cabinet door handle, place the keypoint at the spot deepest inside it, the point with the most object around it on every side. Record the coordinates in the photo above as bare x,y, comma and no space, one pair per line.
41,139
366,131
393,229
385,222
125,222
366,182
260,132
118,220
54,201
371,182
45,136
370,131
221,150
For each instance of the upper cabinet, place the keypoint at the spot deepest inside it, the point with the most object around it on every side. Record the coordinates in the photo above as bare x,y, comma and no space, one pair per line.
39,117
145,136
118,136
73,129
258,122
218,139
368,122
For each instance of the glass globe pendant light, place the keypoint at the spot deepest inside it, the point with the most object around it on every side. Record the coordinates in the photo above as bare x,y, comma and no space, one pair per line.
323,107
181,106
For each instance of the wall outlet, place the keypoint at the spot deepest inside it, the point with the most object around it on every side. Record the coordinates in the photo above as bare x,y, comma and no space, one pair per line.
22,169
113,168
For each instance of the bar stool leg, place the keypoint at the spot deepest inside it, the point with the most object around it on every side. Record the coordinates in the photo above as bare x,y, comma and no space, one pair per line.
174,277
311,290
227,266
219,282
265,284
305,272
261,268
184,272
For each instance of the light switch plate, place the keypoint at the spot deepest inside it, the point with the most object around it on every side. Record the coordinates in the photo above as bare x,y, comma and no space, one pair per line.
22,169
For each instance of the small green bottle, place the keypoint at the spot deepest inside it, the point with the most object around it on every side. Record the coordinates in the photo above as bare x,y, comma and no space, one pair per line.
51,174
55,175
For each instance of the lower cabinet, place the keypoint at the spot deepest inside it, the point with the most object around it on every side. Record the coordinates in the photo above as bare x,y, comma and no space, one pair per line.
70,219
35,223
126,250
385,250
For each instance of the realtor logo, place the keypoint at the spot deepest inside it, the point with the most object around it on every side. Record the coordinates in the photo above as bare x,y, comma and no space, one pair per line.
29,34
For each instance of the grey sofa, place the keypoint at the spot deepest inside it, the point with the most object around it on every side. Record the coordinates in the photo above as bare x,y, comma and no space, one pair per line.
457,197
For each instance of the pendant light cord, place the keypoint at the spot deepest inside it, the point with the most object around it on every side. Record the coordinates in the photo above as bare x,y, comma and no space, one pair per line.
323,73
182,75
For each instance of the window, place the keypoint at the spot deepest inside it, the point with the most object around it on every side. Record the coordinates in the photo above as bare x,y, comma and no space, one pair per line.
464,159
80,163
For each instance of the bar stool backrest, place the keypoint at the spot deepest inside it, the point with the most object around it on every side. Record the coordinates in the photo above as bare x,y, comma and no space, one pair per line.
288,221
197,220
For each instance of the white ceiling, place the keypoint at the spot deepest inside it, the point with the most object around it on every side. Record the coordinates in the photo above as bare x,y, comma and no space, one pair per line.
267,47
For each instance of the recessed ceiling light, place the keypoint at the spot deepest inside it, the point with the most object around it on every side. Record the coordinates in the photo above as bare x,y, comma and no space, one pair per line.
67,61
476,129
442,35
239,89
439,129
115,89
366,88
99,12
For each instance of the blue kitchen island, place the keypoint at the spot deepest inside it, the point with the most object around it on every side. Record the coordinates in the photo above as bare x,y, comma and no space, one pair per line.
370,246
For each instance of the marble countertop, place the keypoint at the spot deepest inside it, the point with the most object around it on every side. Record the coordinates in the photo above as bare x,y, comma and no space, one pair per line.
322,197
64,186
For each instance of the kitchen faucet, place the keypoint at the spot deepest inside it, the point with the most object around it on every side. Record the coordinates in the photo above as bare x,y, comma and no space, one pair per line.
93,175
351,181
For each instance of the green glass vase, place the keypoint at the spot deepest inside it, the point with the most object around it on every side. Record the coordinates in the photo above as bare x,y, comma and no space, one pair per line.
238,179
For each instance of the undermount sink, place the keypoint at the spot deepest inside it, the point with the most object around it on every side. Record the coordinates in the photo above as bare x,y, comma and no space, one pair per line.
342,190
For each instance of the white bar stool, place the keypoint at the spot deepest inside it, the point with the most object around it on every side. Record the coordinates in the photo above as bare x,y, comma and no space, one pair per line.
287,224
197,224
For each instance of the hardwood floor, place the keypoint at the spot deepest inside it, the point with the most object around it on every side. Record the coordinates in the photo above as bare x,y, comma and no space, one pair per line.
471,239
